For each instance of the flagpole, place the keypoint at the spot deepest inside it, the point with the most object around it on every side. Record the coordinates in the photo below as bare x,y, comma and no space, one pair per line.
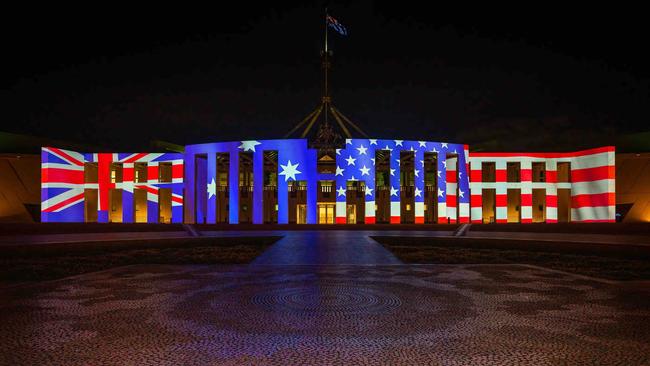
326,66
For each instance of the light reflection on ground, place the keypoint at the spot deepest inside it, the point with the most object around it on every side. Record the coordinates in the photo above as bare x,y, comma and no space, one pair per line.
347,314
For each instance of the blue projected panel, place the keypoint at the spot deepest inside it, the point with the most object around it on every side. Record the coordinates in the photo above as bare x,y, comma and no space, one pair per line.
296,162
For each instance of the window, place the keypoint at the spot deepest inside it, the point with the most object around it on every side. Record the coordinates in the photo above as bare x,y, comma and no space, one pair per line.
223,179
539,172
513,172
564,172
90,172
489,172
140,172
165,172
408,207
113,178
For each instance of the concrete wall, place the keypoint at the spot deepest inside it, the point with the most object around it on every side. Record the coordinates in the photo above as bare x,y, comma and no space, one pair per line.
633,185
19,185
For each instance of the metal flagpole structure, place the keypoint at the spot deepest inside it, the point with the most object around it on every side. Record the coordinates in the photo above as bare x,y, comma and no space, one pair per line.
326,137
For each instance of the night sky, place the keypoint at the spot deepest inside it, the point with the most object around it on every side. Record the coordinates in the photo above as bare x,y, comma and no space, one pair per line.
529,77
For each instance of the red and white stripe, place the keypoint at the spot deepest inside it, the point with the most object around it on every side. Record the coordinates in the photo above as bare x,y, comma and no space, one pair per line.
593,193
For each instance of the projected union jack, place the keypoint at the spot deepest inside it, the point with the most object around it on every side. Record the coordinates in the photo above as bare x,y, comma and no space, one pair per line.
63,187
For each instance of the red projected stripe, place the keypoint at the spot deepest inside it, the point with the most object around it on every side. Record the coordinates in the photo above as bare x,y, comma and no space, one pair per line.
66,156
135,157
451,201
451,176
592,174
394,219
475,175
177,199
551,176
148,189
58,175
501,175
340,220
526,175
526,221
551,201
127,175
152,172
463,219
370,220
593,200
526,199
476,200
502,200
419,219
177,171
64,203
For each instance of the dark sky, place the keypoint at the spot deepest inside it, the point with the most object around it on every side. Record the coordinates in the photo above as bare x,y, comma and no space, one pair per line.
535,76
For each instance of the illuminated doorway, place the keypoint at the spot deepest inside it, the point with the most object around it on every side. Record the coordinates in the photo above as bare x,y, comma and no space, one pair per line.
165,205
351,213
115,202
326,212
90,205
301,213
140,205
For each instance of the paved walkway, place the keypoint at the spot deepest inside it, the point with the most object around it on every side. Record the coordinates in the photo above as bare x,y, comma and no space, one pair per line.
333,315
326,247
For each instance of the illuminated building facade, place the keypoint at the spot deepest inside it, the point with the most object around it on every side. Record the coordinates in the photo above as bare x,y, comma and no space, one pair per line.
369,181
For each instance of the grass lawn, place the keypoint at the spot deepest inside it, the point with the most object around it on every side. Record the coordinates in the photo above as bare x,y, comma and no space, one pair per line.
31,263
586,259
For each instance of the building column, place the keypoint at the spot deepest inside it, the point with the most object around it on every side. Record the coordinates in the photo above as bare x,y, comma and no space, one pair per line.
395,187
312,186
526,178
211,186
476,188
178,198
452,186
258,187
127,192
104,184
233,187
419,186
551,191
153,216
501,192
463,186
189,184
340,189
442,187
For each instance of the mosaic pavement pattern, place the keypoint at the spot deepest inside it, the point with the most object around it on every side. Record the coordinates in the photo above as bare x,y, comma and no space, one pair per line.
287,315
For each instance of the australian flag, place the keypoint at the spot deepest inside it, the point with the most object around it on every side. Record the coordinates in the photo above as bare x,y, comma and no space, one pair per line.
333,23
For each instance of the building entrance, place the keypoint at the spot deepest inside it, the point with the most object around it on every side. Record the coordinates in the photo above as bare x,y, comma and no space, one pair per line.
351,213
326,213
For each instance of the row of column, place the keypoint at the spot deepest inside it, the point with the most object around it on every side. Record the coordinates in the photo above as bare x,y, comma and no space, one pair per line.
525,185
128,186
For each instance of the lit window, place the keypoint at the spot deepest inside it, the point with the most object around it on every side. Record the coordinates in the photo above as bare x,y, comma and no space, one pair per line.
137,176
408,207
113,177
276,206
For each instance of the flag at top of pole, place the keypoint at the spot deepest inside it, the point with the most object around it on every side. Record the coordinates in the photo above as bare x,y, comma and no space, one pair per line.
333,23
